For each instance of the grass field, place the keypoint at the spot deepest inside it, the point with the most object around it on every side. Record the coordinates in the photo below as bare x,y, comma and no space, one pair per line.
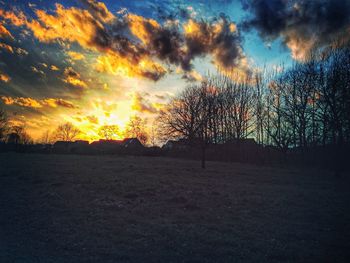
70,208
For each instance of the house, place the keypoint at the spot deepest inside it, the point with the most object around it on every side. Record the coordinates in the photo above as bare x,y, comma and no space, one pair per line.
62,147
117,146
246,142
107,146
40,148
80,146
181,144
132,143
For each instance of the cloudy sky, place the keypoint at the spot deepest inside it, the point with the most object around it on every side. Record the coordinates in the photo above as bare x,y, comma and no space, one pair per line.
96,62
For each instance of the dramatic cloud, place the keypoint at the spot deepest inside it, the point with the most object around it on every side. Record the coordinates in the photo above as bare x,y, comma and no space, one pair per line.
73,78
166,43
118,65
133,45
220,39
302,25
35,103
72,24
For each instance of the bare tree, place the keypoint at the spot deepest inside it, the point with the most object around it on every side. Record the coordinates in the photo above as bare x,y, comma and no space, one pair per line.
109,132
67,132
188,116
153,134
3,125
47,137
136,128
277,126
181,118
18,135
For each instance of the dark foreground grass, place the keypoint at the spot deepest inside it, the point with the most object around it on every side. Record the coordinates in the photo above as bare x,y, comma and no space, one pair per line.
68,208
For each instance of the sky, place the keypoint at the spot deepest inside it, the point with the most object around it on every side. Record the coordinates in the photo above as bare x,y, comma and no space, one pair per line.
95,63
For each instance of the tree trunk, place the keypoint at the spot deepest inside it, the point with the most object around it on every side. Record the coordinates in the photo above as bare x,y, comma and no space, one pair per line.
203,156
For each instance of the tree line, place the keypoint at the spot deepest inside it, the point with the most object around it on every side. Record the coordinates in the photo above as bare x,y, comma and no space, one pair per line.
303,106
17,134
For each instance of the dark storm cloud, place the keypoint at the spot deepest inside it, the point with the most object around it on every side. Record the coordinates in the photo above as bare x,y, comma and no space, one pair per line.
164,42
220,38
301,24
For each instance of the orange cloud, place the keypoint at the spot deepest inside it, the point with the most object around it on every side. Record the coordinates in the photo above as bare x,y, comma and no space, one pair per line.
18,19
123,55
4,77
75,55
300,48
73,78
142,27
72,24
21,101
8,48
54,103
100,10
92,119
4,32
54,68
76,25
34,103
115,64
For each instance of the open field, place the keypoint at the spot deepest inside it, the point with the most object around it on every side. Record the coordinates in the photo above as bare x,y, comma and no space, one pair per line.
70,208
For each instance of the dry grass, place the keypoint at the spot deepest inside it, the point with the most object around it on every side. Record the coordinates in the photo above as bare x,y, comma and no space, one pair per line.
68,208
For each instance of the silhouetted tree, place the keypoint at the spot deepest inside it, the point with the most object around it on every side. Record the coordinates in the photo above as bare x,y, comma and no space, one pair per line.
153,134
18,135
136,128
67,132
4,126
109,132
187,116
46,137
181,118
277,126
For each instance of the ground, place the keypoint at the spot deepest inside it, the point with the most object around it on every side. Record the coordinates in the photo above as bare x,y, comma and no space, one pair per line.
71,208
